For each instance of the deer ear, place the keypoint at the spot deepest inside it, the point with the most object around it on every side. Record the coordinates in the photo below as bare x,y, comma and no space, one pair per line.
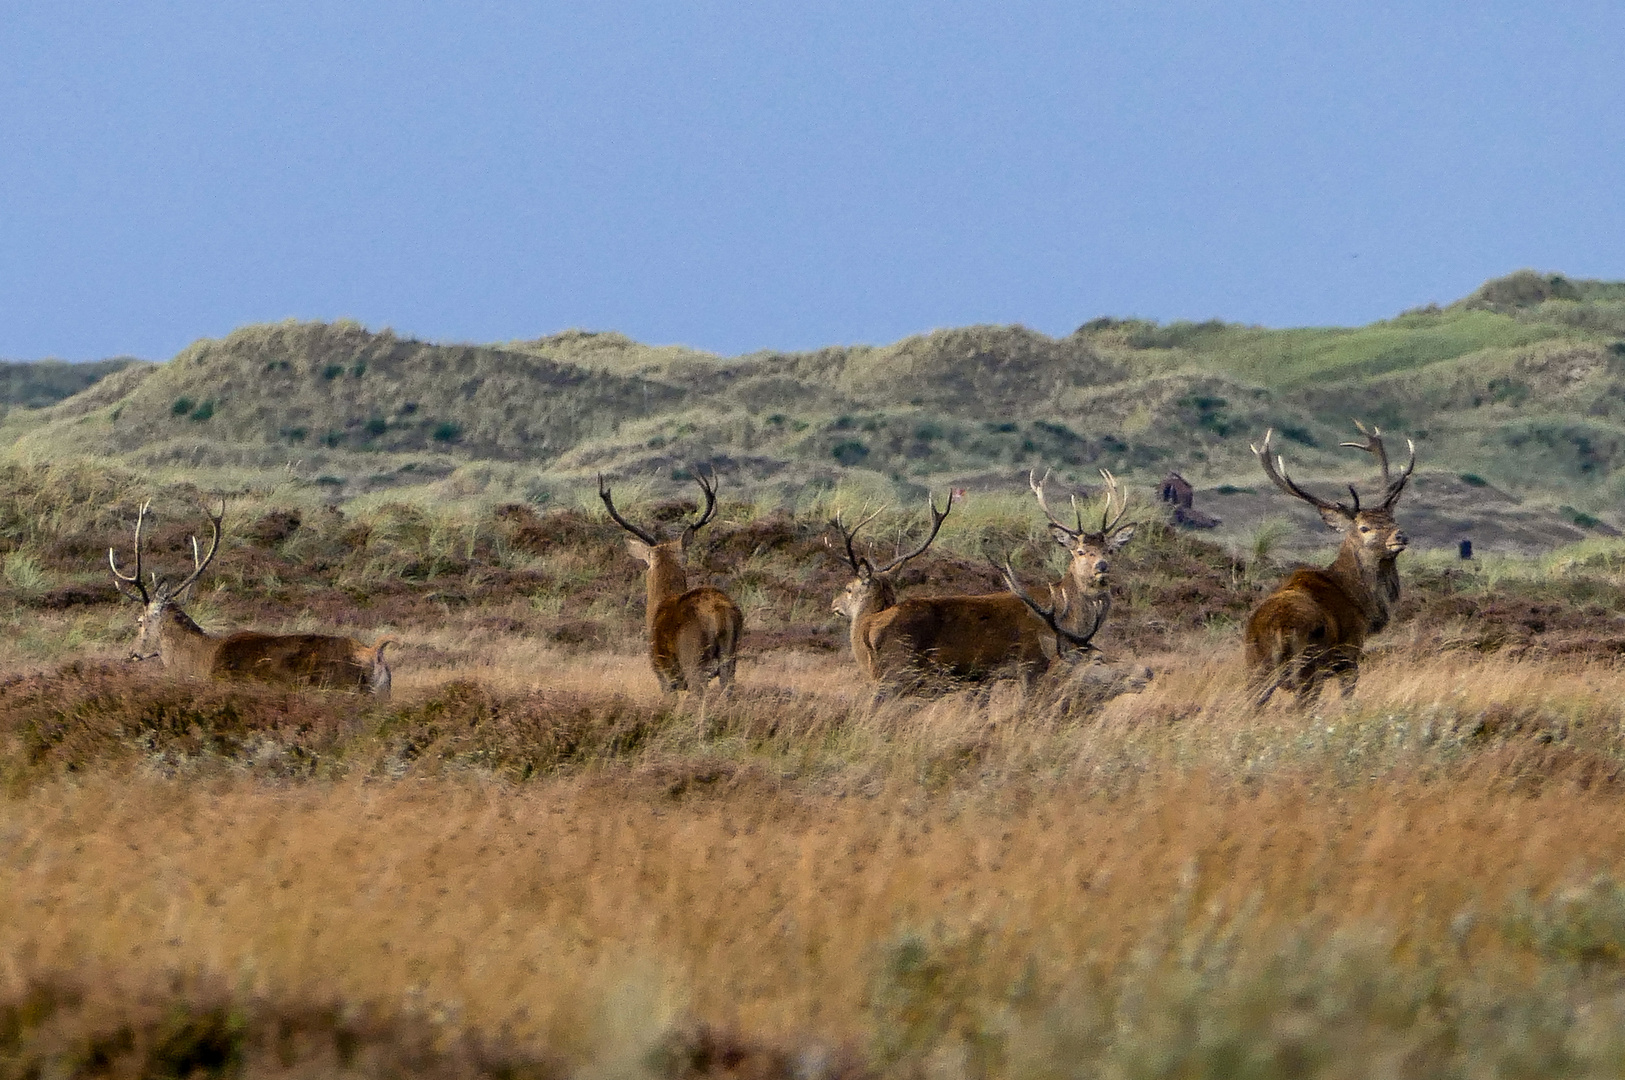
1062,537
1336,517
639,549
1120,537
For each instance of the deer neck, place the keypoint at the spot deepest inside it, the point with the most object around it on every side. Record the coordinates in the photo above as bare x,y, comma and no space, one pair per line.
881,594
667,579
1080,596
1371,580
182,644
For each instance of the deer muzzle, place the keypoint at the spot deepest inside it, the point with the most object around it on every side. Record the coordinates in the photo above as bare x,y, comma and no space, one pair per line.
1398,542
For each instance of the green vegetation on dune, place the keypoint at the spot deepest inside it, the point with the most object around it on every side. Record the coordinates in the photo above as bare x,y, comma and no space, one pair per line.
33,385
1518,384
1291,359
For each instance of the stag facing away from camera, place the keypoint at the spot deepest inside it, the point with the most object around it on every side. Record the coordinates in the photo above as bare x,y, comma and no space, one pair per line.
926,643
693,633
165,631
1315,624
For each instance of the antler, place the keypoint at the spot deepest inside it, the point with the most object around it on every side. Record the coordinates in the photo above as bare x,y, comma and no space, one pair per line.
1113,493
937,518
200,565
135,578
609,504
1050,615
1108,523
1373,445
710,502
1275,469
1043,504
848,535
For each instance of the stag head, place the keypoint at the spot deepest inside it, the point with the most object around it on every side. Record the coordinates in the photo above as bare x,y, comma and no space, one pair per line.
872,586
1090,549
1372,529
157,594
646,545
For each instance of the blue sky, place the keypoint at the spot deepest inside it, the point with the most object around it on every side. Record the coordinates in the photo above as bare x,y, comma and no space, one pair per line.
788,175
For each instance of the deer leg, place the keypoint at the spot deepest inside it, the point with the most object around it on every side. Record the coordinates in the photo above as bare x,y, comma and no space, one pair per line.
696,667
671,682
695,662
725,672
1263,686
981,694
378,682
719,665
1348,672
1311,674
1263,681
668,669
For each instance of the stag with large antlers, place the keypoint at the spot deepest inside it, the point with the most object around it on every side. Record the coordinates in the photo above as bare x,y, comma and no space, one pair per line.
1074,619
930,642
693,633
167,632
1089,551
1315,624
1074,630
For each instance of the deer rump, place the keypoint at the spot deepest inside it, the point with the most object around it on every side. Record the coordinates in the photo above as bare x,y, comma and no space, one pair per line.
694,638
1310,622
316,660
957,639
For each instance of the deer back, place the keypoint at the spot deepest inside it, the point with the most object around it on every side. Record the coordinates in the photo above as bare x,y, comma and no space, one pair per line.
707,615
962,637
1313,605
315,660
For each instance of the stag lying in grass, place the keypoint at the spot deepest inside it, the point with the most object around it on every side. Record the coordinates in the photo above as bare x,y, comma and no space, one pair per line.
693,633
1073,619
930,642
927,642
306,660
1315,624
1081,679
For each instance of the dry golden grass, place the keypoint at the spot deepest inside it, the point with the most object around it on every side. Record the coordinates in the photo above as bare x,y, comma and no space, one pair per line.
530,910
772,875
587,923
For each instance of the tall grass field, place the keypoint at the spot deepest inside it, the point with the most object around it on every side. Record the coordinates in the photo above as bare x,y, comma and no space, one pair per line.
528,862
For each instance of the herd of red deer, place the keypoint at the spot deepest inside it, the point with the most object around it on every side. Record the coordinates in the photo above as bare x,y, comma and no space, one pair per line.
1311,628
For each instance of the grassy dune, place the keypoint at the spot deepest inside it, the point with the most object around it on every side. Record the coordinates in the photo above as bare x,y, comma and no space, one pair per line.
1518,385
